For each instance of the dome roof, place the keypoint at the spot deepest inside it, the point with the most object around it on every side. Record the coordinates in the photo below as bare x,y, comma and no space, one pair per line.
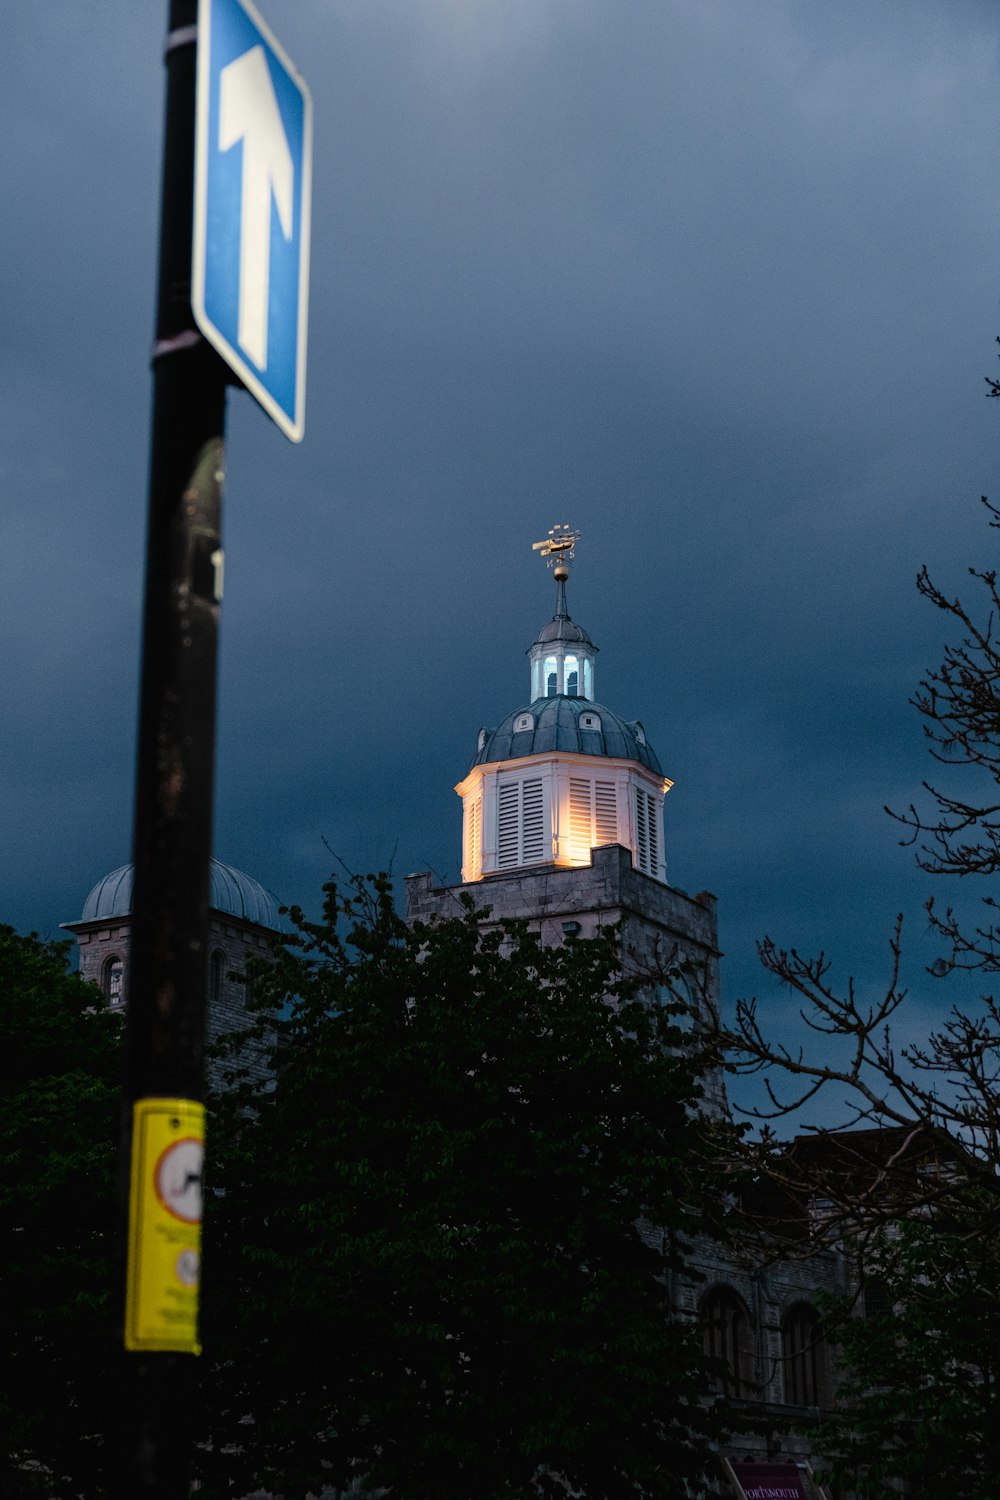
562,628
231,891
557,727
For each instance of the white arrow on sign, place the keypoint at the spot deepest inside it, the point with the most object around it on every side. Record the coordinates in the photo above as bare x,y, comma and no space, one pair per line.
248,111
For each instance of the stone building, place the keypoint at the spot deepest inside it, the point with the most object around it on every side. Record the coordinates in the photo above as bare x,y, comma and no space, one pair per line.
244,919
563,826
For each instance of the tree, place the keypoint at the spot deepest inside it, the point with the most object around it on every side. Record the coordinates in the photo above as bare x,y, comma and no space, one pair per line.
921,1397
914,1193
947,1088
60,1077
445,1240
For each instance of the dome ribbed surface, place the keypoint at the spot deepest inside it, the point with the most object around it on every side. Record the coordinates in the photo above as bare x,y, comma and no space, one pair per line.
231,891
562,628
557,727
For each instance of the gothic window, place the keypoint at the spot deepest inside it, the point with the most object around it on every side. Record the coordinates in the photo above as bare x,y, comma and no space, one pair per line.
216,971
647,833
727,1338
571,677
520,824
111,980
804,1354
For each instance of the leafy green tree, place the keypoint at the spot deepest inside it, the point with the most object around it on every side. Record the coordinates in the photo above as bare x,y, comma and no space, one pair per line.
916,1191
921,1398
433,1263
60,1076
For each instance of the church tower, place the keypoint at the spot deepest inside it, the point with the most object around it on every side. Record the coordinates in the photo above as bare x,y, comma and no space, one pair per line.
562,775
562,818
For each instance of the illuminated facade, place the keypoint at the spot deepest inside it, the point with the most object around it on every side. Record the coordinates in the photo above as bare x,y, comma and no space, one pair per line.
562,775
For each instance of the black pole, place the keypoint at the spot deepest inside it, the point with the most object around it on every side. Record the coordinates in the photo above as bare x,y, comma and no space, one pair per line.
174,775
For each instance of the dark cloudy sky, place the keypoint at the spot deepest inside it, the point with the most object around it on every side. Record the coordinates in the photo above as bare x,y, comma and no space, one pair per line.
714,281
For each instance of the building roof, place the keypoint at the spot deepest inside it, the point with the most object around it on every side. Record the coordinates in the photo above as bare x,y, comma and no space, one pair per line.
562,628
556,726
231,891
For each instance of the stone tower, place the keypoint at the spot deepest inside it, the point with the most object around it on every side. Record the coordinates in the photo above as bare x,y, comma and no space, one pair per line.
562,811
244,919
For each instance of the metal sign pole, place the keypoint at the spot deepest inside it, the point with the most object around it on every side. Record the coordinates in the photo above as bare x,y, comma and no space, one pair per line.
162,1110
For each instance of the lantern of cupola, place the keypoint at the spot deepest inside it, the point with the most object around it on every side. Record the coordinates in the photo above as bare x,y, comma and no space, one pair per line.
561,775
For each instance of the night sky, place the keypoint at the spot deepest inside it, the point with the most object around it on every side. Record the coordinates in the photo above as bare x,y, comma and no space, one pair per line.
714,282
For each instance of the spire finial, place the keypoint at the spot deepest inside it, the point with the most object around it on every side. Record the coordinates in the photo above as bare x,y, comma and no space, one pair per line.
558,549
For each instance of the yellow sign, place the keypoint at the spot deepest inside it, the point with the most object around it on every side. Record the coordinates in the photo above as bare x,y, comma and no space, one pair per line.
164,1226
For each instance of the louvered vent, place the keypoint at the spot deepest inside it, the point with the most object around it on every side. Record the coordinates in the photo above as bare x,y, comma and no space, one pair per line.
474,840
593,813
579,812
605,813
646,833
521,824
533,824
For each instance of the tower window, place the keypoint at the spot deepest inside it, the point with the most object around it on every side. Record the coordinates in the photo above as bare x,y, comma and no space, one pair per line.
647,834
522,722
590,721
216,969
804,1354
520,824
473,840
551,677
571,677
111,980
727,1338
593,817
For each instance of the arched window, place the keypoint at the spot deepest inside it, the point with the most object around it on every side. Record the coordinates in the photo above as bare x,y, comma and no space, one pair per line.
727,1337
571,677
551,680
111,980
804,1354
216,973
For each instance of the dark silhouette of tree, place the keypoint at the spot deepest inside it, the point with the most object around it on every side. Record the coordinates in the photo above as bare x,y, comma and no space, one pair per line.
910,1185
442,1254
60,1077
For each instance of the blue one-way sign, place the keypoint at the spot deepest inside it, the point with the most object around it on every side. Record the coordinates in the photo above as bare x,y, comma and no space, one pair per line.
253,167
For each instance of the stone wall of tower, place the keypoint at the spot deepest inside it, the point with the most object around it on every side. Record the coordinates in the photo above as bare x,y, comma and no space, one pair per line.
237,941
661,926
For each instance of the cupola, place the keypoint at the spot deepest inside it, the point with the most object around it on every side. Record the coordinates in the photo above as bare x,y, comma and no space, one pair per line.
562,775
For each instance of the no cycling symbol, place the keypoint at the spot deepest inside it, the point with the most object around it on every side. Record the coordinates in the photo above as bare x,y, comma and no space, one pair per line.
177,1179
164,1225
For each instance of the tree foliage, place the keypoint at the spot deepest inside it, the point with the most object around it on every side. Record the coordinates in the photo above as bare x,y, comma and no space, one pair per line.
60,1076
948,1085
912,1184
921,1400
433,1262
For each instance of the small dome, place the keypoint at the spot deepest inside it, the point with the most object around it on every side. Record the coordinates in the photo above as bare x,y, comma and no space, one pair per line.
231,891
557,727
562,628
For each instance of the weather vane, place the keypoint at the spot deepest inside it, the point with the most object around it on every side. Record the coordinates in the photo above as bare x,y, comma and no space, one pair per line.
558,549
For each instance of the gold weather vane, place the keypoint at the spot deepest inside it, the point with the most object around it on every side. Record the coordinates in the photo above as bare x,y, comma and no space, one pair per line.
558,549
